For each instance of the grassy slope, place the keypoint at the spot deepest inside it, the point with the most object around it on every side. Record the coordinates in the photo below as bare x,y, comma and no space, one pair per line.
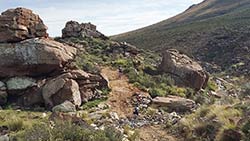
209,31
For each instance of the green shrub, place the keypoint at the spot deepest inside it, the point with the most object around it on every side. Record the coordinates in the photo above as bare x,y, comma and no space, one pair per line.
15,125
246,90
209,122
211,85
105,91
149,69
88,63
125,63
154,92
173,90
66,131
246,130
38,132
92,104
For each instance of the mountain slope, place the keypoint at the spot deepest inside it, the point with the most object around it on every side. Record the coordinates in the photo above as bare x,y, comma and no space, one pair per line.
209,31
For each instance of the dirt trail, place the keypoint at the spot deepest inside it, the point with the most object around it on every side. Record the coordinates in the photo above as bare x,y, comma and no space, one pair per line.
121,93
155,133
119,100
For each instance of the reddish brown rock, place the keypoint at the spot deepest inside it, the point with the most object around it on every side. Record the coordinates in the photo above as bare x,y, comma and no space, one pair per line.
20,24
184,69
74,29
79,74
34,57
69,92
60,89
174,103
123,48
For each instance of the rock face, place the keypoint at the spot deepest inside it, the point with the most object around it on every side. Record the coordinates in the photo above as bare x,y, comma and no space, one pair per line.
74,29
174,103
20,24
184,69
34,57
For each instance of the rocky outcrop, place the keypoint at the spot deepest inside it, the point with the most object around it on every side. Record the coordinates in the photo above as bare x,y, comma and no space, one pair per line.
185,70
75,86
34,57
123,48
74,29
35,70
174,103
20,24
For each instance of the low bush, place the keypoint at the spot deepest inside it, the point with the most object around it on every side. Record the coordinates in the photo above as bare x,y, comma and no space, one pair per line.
211,85
209,122
92,104
15,125
66,131
246,130
125,63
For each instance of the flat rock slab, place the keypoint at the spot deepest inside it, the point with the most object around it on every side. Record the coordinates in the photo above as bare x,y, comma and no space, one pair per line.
34,57
174,103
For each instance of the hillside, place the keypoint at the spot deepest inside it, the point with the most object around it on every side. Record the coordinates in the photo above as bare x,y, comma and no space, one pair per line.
83,86
209,31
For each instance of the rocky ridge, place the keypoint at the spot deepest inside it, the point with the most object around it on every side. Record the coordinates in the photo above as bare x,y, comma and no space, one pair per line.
20,24
75,29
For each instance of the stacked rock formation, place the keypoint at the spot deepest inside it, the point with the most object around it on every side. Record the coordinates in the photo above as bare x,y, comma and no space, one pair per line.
19,24
74,29
34,69
184,70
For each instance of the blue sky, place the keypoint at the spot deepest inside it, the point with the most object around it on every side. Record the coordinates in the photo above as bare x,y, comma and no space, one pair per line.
110,16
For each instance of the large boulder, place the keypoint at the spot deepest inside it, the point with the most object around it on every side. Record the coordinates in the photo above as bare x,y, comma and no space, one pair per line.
174,103
184,69
69,92
34,57
60,89
75,29
20,24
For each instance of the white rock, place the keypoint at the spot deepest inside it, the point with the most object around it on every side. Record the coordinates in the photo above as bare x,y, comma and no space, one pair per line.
114,115
93,125
4,138
44,115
